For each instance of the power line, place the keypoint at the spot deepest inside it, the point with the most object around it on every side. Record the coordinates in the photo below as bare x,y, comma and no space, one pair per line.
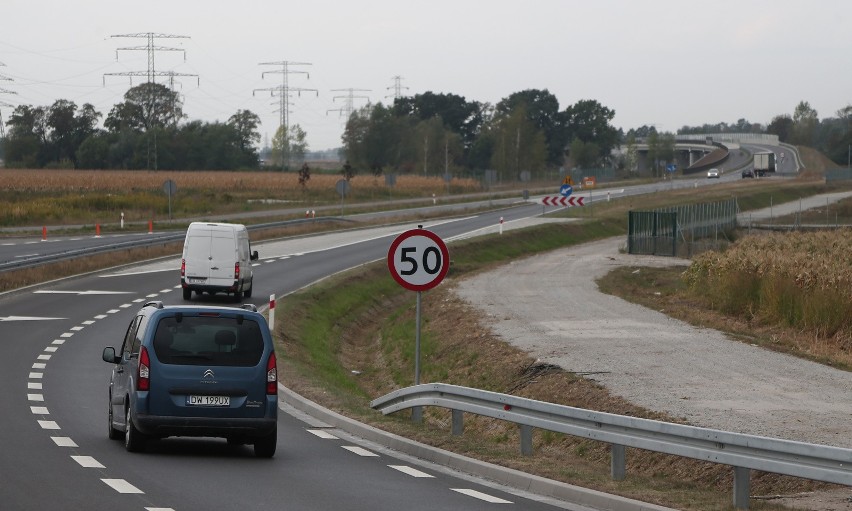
397,87
283,90
349,101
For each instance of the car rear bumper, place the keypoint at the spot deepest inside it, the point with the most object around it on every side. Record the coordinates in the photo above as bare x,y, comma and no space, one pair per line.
163,426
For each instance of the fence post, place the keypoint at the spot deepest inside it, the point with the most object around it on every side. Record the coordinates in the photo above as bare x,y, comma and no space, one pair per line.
618,463
526,440
458,422
742,487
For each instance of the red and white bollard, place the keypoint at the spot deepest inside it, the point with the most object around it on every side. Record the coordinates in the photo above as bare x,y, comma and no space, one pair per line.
313,213
501,225
97,230
44,233
150,227
271,312
307,213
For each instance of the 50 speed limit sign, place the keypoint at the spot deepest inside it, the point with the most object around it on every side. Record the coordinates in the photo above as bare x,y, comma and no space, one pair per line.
418,259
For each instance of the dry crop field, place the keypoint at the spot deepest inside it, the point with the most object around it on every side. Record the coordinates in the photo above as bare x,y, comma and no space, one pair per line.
32,197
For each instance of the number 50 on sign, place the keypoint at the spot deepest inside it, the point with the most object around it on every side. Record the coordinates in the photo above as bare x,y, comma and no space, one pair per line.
418,259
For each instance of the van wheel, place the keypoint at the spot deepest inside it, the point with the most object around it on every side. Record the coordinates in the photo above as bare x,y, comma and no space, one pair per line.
247,294
187,294
264,447
134,440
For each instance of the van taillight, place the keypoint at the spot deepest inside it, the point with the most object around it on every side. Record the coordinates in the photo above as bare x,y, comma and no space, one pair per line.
236,271
183,268
143,373
271,376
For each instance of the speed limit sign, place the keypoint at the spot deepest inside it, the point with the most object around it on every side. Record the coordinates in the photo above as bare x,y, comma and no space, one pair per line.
418,259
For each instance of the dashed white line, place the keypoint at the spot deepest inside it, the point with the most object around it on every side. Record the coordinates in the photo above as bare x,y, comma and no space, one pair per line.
35,397
43,357
87,462
39,365
58,341
36,376
100,316
481,496
165,290
88,322
138,300
32,385
67,335
358,450
159,509
51,349
77,328
121,486
413,472
125,305
322,434
64,441
48,425
113,311
39,410
152,295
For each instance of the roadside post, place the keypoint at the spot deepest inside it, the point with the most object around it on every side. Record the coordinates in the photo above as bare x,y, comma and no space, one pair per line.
272,313
418,260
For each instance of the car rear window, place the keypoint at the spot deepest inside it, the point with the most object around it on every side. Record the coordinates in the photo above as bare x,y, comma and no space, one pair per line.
209,341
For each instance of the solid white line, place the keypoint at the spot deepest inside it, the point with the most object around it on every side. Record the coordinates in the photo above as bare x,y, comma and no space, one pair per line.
481,496
87,462
322,434
358,450
413,472
63,441
122,486
39,410
48,425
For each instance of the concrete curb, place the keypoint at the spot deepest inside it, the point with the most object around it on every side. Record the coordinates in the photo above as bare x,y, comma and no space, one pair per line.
506,476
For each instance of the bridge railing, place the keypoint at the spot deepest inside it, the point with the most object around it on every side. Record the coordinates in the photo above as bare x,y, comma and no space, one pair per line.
741,451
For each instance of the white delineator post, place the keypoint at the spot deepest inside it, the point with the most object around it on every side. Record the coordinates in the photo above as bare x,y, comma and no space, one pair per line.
271,312
501,225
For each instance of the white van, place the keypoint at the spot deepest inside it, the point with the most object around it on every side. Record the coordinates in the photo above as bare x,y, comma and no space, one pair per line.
217,259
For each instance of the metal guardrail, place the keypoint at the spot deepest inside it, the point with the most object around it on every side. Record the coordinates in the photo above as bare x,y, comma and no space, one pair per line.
741,451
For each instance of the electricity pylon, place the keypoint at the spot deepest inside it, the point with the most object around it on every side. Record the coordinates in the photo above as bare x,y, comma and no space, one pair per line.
283,90
349,101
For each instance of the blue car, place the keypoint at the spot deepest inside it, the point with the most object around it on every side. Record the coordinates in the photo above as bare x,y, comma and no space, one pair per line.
195,371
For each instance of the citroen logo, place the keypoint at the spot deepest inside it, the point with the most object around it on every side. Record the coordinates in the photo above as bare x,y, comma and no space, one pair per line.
209,374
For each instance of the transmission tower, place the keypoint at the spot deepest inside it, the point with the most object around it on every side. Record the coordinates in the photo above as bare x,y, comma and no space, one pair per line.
283,90
3,103
151,73
397,87
349,101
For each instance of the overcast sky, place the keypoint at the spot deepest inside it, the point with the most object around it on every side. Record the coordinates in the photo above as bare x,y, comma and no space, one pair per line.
664,63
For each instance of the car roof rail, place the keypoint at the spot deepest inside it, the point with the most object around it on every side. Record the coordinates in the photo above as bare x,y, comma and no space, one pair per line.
157,304
249,307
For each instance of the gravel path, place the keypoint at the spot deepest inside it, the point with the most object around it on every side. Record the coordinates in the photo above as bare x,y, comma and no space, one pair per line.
549,306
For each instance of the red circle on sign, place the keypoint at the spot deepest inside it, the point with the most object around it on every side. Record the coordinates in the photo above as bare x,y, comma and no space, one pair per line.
418,259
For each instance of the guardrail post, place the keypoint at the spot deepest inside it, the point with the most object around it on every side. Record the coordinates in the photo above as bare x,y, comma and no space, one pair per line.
526,440
618,463
458,422
742,487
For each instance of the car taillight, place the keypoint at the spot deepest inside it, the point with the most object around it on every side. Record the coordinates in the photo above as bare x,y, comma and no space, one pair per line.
183,267
271,375
236,271
143,373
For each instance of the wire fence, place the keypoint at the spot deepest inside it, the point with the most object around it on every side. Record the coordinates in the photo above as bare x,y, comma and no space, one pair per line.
682,230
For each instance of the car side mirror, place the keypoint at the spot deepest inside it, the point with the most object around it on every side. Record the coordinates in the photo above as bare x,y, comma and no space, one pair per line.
109,355
255,256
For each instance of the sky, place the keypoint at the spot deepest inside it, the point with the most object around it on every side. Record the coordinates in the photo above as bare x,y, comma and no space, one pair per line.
654,62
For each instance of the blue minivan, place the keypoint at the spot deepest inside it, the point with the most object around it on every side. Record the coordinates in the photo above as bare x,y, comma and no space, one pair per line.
195,371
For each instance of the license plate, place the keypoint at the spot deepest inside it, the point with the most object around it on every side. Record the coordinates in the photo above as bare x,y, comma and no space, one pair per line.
208,401
197,281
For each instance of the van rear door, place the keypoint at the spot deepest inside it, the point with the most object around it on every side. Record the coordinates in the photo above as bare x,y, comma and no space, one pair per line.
223,258
197,256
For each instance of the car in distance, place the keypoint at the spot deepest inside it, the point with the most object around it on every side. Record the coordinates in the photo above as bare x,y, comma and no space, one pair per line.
748,173
713,173
198,371
217,258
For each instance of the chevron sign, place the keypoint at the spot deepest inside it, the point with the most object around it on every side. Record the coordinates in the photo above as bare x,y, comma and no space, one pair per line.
562,201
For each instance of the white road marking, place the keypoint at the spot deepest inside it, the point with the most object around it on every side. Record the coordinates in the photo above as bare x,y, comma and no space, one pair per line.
165,290
39,410
121,486
58,341
51,349
67,335
48,425
36,376
413,472
87,462
358,450
88,322
33,385
322,434
113,311
44,357
77,328
82,293
125,305
26,318
481,496
39,365
152,295
64,441
35,397
159,509
100,316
